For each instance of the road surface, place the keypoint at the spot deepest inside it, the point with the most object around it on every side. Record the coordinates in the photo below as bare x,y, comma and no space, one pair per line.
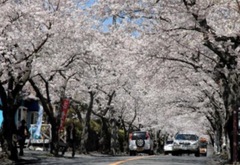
44,158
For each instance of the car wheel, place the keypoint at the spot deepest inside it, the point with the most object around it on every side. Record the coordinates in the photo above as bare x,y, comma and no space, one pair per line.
175,153
140,142
151,152
130,153
197,154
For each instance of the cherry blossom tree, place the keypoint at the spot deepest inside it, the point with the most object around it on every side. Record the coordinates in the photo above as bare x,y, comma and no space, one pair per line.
22,38
29,35
197,35
192,23
149,60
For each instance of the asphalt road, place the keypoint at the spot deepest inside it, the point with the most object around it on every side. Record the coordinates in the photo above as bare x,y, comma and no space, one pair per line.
43,157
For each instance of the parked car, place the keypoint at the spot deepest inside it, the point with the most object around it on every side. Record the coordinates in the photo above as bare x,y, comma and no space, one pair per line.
186,143
140,142
168,147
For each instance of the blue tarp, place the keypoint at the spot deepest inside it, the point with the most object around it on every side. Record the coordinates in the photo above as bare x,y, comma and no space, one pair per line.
1,113
36,130
1,117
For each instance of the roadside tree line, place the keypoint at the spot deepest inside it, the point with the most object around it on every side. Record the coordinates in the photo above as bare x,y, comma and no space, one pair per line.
155,59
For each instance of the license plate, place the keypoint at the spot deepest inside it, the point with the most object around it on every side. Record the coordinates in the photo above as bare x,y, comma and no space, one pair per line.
184,148
140,149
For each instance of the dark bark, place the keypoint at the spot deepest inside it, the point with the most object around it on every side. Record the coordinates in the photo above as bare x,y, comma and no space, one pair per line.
115,148
105,137
229,130
10,103
86,125
126,133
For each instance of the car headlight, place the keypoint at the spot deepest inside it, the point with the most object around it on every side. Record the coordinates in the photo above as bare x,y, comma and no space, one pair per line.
195,143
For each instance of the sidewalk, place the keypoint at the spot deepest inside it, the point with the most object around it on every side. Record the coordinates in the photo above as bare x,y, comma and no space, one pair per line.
35,156
216,159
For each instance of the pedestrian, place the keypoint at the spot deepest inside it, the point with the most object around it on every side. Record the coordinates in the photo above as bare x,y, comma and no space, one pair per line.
70,137
23,133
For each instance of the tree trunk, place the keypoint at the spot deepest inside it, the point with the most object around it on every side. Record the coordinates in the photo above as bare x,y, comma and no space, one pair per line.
9,109
105,139
54,149
86,126
84,141
218,140
125,140
10,135
229,129
114,137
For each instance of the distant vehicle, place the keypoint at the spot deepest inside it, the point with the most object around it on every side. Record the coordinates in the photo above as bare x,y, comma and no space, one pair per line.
140,142
203,143
186,143
168,147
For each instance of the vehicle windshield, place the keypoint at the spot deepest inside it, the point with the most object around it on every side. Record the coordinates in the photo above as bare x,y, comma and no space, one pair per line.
186,137
169,142
139,135
203,144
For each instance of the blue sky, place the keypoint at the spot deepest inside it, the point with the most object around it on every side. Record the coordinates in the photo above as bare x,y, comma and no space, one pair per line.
90,2
106,22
